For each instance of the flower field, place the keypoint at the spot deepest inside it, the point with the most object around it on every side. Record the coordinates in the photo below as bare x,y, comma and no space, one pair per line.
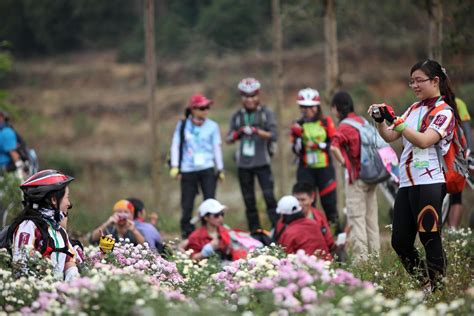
135,281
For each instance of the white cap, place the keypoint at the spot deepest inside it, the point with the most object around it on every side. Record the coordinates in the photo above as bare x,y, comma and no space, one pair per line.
288,205
308,97
210,206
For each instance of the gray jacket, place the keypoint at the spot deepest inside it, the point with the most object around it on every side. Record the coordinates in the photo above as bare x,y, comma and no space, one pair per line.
262,118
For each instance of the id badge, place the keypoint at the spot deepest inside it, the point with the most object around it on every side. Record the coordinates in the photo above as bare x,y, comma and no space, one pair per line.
311,158
248,148
421,158
198,159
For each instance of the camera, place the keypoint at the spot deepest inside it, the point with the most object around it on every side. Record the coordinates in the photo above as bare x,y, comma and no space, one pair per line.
376,113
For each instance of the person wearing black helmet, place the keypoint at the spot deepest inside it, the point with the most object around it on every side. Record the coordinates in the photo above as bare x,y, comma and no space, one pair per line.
46,202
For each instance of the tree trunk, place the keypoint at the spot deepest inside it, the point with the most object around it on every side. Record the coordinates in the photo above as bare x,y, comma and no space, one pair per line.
150,66
435,11
330,48
278,77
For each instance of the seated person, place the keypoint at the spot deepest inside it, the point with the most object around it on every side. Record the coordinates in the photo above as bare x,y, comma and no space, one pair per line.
294,231
46,201
149,232
305,194
119,225
212,237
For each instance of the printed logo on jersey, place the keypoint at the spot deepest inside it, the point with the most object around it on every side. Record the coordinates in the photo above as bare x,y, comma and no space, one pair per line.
23,240
440,119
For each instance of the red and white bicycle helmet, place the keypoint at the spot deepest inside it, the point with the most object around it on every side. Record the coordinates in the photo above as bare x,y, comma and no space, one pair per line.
308,97
36,187
249,86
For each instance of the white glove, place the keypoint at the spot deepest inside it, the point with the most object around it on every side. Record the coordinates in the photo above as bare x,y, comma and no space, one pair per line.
322,145
298,145
248,130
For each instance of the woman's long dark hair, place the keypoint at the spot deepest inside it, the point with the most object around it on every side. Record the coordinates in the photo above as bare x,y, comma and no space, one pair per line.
433,69
33,214
343,103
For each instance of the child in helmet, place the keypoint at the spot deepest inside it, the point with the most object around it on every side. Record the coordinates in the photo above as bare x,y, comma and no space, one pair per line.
295,231
46,200
311,136
212,237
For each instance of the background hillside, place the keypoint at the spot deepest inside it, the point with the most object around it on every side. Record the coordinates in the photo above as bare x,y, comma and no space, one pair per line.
77,85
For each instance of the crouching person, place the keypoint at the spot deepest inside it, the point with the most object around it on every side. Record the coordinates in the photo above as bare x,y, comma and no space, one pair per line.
295,231
212,237
46,201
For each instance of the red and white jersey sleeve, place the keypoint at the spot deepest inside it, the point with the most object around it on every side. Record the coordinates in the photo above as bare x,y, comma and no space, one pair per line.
25,236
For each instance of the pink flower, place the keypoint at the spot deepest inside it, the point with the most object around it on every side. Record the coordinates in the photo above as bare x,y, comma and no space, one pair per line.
308,295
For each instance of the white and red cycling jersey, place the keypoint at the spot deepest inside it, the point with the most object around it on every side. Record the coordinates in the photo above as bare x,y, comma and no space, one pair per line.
422,166
28,234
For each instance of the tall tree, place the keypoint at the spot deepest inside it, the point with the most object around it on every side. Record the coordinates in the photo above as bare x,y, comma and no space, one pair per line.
278,61
435,11
330,48
150,66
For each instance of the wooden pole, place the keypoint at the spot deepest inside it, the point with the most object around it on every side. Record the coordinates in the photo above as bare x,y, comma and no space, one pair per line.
150,67
330,48
278,61
435,11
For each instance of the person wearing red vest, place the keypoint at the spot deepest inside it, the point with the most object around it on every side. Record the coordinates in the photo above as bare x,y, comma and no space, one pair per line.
212,237
294,231
305,194
418,203
361,199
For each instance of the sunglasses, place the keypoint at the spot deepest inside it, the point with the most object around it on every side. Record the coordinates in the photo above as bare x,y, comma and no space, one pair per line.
218,215
204,108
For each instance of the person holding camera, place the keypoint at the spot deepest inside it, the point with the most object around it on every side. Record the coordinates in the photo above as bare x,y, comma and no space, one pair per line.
119,225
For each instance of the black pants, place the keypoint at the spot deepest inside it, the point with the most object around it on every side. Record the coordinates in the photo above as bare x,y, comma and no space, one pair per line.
418,210
190,181
247,186
324,180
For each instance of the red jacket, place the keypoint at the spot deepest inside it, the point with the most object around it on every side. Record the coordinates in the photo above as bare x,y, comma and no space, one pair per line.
322,221
347,139
305,234
200,237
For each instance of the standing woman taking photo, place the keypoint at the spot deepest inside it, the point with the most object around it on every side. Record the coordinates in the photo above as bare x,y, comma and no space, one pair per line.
427,130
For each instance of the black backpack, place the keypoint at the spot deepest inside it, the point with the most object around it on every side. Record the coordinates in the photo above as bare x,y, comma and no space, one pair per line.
47,243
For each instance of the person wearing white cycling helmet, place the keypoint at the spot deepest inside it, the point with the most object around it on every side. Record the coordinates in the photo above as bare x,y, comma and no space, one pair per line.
311,137
213,237
196,155
295,231
254,126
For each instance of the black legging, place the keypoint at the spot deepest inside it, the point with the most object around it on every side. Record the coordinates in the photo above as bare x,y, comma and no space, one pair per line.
418,210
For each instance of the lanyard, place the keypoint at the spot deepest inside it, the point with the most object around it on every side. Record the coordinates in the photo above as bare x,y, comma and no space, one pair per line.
249,119
56,241
196,131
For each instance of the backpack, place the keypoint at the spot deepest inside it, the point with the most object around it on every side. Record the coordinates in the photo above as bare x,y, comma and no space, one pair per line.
261,122
27,155
454,163
181,144
47,243
372,167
